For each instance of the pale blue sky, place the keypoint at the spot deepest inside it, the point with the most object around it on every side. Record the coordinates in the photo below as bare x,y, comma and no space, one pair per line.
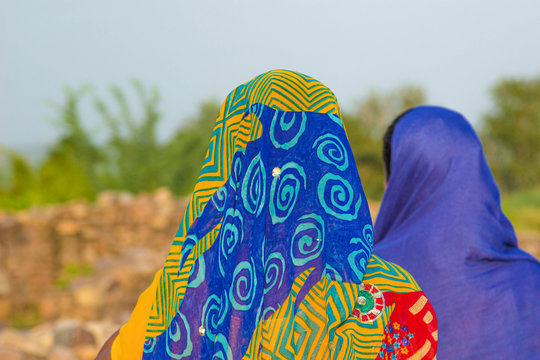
193,50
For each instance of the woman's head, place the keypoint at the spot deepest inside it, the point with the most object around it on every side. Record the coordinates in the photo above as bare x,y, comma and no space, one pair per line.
437,172
282,150
427,140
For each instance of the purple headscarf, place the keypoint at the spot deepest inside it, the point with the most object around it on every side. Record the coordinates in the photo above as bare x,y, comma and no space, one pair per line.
441,219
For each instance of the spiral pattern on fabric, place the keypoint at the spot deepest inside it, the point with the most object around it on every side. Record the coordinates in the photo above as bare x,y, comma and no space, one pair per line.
284,191
187,247
274,268
336,196
254,186
149,345
231,233
269,310
368,233
178,342
214,313
236,168
220,198
244,283
358,258
222,350
285,131
199,268
307,240
331,150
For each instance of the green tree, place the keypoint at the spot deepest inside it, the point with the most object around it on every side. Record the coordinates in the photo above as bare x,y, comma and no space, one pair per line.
366,126
187,148
511,133
132,151
76,142
127,156
17,185
61,178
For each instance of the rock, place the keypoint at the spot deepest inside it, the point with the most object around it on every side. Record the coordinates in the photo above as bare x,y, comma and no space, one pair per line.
10,354
74,336
140,213
64,304
159,222
5,309
61,353
9,224
125,276
67,323
162,196
42,335
5,291
124,198
49,307
88,295
86,352
21,342
68,228
106,199
102,330
80,210
5,287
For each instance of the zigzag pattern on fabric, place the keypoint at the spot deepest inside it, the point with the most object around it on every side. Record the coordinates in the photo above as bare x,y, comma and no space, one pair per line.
306,333
283,90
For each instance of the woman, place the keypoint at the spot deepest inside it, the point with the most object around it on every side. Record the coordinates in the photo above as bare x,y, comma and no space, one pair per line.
441,219
273,257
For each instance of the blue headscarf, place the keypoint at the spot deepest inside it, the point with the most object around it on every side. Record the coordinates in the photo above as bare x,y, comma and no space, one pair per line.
441,219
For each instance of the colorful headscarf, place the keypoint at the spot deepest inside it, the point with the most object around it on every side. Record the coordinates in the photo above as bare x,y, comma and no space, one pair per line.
441,219
270,259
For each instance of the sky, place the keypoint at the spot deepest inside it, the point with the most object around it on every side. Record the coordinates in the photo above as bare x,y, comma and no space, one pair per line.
195,50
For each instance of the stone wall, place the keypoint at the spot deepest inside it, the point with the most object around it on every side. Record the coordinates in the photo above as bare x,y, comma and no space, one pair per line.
71,274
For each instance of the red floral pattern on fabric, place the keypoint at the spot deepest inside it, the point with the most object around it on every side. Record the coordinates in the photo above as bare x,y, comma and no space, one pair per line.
412,330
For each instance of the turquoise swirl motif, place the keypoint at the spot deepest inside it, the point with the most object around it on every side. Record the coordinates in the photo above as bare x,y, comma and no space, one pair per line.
284,191
222,350
198,268
308,239
284,129
178,337
368,234
231,233
341,197
274,268
220,198
149,345
236,168
254,186
214,313
269,310
331,150
335,119
359,258
244,283
187,246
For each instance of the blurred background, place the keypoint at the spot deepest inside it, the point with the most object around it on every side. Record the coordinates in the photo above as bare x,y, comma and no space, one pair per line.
106,110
